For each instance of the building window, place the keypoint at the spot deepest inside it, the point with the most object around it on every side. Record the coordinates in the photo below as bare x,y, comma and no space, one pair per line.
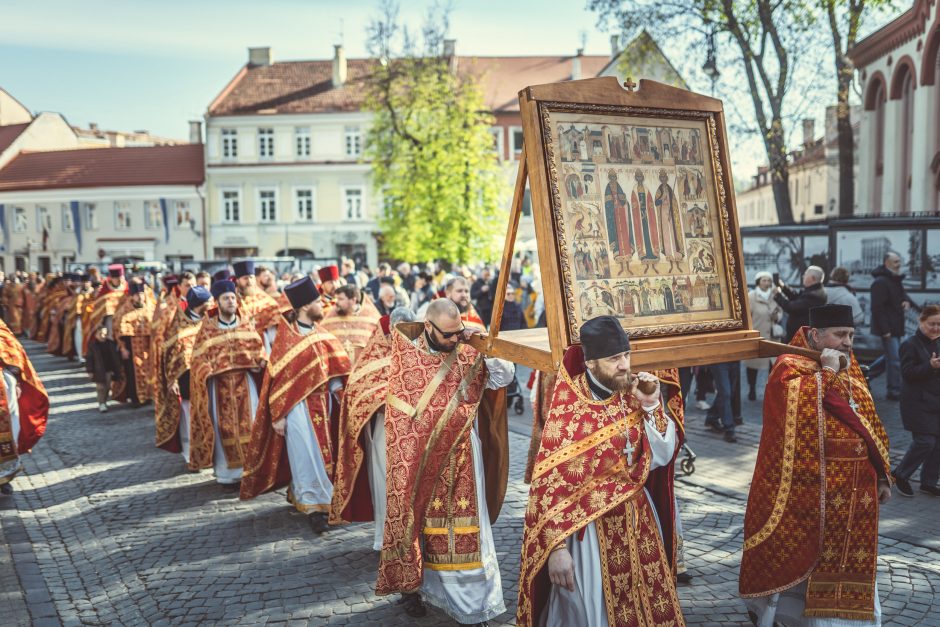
20,223
267,203
67,218
184,219
122,215
153,214
497,133
43,220
91,216
231,206
229,143
517,141
818,210
353,142
353,203
304,202
907,141
266,143
302,141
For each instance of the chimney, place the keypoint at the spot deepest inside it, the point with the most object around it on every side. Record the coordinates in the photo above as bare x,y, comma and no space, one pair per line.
450,53
614,45
576,65
195,131
259,57
809,131
92,126
339,66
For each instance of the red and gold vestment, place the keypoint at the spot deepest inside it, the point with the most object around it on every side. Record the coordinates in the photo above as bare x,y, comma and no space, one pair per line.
57,317
354,330
163,318
177,351
544,384
432,402
299,370
812,510
136,325
105,304
259,307
364,395
13,306
33,403
226,355
581,476
73,315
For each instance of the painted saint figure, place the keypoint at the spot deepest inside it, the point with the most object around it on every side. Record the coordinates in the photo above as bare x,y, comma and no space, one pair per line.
670,222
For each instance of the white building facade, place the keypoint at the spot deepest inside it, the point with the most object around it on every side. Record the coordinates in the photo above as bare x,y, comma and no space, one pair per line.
899,72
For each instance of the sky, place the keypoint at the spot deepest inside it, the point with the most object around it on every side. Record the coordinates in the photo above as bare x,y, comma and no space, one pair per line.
154,65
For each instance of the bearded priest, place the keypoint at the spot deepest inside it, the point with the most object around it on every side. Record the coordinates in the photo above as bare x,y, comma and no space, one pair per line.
352,320
227,356
253,302
446,446
599,540
293,433
811,524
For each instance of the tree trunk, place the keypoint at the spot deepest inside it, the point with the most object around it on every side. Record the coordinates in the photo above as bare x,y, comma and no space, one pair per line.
845,72
780,171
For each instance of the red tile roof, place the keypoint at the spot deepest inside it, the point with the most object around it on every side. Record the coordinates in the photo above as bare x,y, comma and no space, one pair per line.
307,86
9,133
105,167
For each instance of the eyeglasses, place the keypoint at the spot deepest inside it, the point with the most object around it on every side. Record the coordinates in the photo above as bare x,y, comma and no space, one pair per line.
448,334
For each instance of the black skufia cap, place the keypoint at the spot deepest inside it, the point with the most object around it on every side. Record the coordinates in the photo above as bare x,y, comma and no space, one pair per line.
301,292
826,316
602,337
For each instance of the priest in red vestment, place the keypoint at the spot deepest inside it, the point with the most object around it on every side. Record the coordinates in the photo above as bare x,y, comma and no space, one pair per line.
228,355
172,393
811,525
599,541
253,302
24,407
101,357
446,446
294,432
359,488
329,281
352,320
132,331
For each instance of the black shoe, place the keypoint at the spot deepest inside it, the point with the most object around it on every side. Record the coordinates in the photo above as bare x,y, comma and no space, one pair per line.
903,485
729,437
318,522
684,578
713,425
932,490
232,487
414,606
738,420
6,489
752,395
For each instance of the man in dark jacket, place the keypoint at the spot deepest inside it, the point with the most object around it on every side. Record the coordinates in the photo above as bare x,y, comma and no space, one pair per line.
889,301
798,304
481,293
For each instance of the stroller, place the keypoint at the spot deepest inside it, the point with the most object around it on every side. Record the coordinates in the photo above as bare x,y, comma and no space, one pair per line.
687,464
514,396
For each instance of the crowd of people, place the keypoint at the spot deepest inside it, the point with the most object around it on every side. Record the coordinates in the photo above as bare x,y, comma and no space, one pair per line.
364,397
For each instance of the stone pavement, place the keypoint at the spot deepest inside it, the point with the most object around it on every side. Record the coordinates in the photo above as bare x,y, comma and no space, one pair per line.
105,529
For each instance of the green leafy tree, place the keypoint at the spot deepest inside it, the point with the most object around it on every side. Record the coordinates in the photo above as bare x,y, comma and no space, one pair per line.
431,149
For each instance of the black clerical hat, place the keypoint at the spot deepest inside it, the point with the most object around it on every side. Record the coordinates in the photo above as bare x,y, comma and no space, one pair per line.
826,316
221,275
222,287
136,288
197,295
602,337
301,292
244,268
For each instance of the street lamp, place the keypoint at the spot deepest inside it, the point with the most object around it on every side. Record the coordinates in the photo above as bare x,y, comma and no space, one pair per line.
711,66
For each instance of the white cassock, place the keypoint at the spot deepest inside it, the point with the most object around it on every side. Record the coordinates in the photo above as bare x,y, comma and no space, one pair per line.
77,339
310,482
474,595
375,463
224,474
585,606
9,384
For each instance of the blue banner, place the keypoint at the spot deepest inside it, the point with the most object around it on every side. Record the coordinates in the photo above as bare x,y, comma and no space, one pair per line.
166,223
77,223
5,241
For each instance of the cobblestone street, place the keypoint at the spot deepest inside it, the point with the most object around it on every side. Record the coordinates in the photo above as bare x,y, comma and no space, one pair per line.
105,529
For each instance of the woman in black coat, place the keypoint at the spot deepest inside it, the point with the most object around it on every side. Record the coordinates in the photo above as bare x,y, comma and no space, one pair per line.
920,404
